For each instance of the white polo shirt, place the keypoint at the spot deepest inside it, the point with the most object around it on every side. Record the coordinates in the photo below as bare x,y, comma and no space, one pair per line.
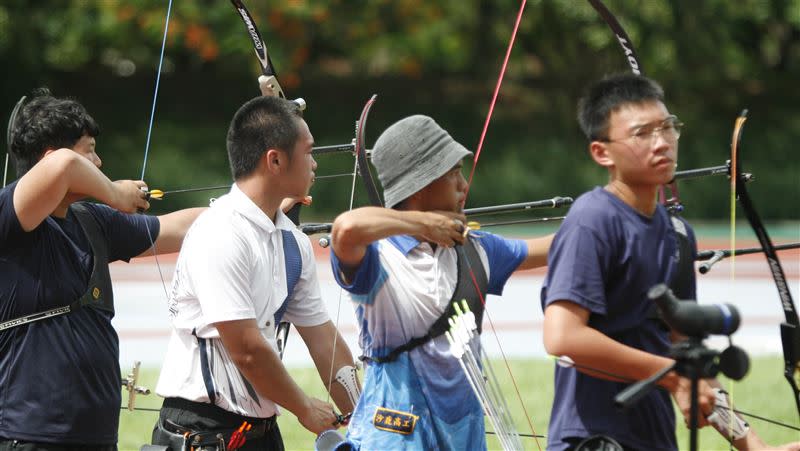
231,267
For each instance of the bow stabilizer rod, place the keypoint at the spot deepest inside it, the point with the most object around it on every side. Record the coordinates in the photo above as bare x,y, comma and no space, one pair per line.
556,202
712,256
710,171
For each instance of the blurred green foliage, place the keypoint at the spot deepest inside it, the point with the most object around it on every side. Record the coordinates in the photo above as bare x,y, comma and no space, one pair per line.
439,58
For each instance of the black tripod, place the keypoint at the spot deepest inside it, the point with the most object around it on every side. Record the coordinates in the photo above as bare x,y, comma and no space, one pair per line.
693,360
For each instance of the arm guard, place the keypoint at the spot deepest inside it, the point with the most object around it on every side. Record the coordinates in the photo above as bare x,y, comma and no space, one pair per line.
346,376
725,421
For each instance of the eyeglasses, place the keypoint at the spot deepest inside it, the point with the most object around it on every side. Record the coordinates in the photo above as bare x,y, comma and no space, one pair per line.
669,129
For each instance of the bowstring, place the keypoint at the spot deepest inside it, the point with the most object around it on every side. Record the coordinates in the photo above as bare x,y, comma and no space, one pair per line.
528,418
496,93
734,180
341,290
359,145
149,136
492,104
147,147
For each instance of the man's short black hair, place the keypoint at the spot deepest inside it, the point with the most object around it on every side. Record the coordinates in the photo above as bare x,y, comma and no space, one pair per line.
47,122
608,95
261,124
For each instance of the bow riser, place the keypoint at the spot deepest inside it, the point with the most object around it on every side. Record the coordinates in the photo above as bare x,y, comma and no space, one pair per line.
790,330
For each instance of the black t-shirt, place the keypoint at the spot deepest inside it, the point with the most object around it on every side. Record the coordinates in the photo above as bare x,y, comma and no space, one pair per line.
60,377
604,258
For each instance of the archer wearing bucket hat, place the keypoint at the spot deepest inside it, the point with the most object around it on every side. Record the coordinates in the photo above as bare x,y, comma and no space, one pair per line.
402,266
411,154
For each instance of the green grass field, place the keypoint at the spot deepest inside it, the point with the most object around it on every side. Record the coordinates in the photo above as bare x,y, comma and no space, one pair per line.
763,392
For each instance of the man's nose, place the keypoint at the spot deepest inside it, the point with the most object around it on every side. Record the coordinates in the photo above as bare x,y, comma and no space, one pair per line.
660,142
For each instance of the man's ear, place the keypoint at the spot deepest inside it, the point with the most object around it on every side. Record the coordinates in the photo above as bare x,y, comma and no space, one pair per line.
413,201
599,152
273,161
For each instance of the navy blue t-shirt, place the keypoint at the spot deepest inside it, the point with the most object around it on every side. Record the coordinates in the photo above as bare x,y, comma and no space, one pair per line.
60,377
605,257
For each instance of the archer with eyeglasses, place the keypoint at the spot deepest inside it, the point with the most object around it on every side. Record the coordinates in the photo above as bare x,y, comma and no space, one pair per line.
668,129
616,242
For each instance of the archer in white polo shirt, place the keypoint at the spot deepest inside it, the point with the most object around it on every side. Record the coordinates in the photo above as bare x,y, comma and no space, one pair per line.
242,269
232,268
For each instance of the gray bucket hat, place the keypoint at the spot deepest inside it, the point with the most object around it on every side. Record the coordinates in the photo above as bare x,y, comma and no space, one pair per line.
412,153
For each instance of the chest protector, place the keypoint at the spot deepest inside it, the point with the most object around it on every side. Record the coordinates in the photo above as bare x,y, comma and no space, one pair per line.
98,294
471,284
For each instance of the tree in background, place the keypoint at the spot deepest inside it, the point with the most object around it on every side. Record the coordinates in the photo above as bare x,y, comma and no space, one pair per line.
439,58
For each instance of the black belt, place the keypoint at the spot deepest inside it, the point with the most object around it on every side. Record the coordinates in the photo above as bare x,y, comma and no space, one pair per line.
260,426
258,430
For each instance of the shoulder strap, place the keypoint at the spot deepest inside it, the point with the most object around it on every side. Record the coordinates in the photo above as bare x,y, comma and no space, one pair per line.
294,266
680,279
468,264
